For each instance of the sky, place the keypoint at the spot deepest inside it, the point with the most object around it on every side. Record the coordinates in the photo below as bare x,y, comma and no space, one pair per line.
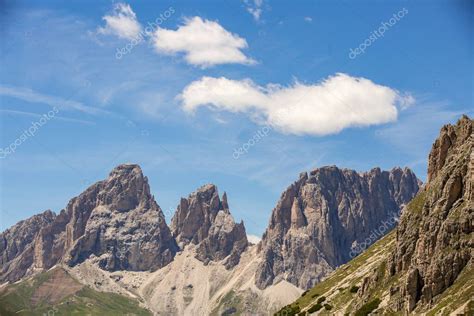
242,94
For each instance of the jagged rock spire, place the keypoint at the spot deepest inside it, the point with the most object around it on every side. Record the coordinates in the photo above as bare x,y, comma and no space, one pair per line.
204,220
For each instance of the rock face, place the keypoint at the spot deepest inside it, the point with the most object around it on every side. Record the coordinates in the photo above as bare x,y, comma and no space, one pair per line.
203,219
116,220
16,246
327,217
119,221
434,238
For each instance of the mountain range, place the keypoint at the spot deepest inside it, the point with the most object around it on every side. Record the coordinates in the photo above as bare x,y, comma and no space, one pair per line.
112,243
425,265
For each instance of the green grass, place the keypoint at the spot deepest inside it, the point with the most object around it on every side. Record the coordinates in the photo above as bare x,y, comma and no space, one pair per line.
367,308
330,283
16,300
416,205
458,294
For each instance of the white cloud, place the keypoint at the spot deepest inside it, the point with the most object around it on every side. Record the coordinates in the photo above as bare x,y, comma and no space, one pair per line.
308,19
253,239
328,107
203,42
254,8
122,22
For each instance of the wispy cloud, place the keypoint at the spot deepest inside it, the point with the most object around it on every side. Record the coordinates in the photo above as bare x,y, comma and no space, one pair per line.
328,107
122,22
36,115
204,43
418,126
29,95
254,7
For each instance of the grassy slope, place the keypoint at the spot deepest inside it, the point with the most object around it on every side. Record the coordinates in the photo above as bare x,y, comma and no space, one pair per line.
16,299
336,288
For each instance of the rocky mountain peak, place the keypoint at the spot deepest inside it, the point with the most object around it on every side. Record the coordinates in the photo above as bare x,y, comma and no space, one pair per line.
203,219
125,188
16,245
115,222
450,138
323,216
434,237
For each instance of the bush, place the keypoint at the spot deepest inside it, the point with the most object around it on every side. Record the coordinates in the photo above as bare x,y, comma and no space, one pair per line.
354,289
327,307
305,292
367,308
321,299
289,310
315,308
314,295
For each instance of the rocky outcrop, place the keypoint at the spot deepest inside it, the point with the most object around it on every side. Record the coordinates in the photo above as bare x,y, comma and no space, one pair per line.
115,221
327,217
119,221
16,245
203,219
434,239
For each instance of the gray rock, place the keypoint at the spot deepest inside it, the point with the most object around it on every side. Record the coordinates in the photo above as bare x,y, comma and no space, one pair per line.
204,220
16,245
325,218
434,237
116,220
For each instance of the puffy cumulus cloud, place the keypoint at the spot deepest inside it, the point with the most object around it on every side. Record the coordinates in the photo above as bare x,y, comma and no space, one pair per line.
122,22
328,107
204,43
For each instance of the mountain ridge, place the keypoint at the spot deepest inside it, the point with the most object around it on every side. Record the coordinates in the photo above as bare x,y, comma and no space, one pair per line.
114,238
425,265
322,216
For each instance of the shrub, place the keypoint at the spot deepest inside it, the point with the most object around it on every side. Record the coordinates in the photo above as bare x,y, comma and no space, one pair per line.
321,299
289,310
314,295
367,308
354,289
327,307
305,292
315,308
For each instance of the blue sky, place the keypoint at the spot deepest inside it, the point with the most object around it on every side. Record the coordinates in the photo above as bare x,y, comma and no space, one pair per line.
210,78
